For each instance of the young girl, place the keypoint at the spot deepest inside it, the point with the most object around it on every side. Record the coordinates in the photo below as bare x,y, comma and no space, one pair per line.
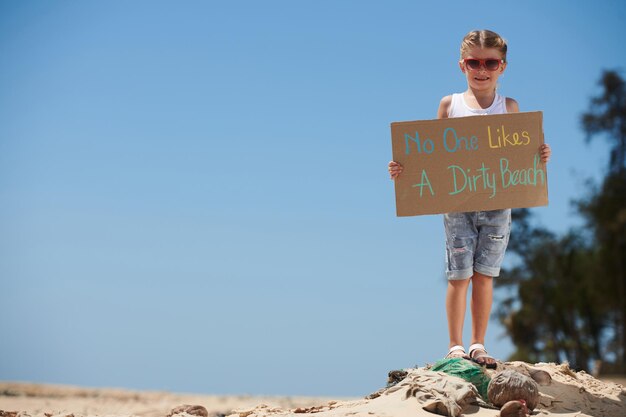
475,241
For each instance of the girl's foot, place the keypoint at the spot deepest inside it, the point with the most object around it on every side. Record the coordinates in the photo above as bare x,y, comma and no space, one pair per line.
457,351
479,355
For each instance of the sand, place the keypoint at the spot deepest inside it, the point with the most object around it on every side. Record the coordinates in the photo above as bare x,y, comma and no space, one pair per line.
567,394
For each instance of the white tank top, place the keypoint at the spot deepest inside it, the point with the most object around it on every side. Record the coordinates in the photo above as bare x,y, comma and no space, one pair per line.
459,108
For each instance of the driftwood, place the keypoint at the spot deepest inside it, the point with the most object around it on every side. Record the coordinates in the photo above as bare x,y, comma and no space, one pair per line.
510,386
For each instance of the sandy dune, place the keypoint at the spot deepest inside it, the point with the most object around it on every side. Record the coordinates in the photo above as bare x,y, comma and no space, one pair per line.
567,394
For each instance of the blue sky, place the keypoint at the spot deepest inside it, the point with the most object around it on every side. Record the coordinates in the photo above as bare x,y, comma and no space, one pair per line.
194,197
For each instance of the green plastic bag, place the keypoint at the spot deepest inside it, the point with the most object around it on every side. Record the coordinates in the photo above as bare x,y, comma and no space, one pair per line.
466,370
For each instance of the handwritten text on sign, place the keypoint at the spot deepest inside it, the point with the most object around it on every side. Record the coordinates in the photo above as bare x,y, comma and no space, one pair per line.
469,164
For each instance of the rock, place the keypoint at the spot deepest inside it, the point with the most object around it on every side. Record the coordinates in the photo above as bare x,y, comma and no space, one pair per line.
510,386
194,410
514,409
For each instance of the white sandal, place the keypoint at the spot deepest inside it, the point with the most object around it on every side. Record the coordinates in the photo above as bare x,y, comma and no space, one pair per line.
456,348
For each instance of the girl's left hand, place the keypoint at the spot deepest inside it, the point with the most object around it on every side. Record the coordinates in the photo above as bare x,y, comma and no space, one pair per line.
545,152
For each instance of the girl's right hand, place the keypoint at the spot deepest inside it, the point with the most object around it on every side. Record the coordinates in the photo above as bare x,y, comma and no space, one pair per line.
395,169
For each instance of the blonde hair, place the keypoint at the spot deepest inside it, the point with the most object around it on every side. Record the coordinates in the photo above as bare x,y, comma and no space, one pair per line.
483,39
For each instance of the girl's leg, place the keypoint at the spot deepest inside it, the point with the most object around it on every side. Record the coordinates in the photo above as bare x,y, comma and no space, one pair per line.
482,298
456,303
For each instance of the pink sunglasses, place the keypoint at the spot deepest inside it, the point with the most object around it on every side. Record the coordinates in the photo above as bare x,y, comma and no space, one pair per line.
490,64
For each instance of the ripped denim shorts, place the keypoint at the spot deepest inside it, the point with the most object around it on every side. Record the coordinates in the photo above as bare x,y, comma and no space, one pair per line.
476,241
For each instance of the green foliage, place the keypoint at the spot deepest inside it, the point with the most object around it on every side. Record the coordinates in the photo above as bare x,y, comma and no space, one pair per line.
605,213
556,312
568,293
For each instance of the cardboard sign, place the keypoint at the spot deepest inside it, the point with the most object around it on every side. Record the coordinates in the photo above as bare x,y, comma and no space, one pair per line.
469,164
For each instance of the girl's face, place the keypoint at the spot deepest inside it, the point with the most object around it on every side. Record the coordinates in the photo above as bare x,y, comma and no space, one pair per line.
482,67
